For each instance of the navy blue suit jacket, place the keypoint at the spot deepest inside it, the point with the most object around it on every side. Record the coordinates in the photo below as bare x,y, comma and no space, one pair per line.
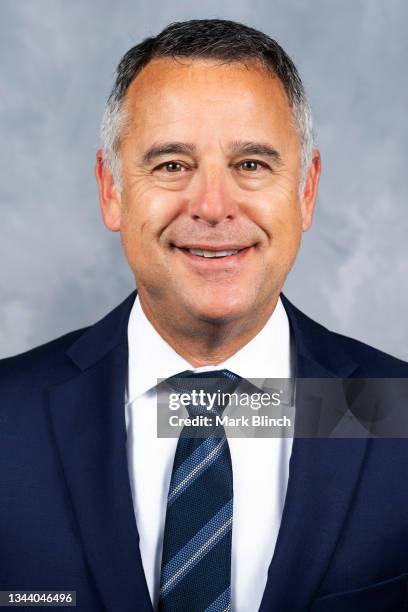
66,513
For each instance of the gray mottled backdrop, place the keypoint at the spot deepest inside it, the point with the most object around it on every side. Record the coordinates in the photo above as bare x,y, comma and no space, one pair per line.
60,268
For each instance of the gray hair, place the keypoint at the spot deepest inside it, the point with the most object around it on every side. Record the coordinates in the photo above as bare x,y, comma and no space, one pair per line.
218,39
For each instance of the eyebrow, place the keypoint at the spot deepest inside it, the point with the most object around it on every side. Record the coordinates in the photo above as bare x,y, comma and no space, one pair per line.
168,148
238,147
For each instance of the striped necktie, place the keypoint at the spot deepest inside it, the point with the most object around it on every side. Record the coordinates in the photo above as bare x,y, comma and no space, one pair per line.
196,559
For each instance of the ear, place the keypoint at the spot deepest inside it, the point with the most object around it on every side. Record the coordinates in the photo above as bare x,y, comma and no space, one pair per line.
309,195
109,197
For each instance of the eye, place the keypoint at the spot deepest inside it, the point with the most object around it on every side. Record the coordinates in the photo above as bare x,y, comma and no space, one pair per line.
171,167
252,165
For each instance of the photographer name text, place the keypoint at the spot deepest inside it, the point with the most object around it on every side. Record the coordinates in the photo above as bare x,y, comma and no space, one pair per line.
253,420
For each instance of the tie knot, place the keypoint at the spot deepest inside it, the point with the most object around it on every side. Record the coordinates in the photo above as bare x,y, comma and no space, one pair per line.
205,392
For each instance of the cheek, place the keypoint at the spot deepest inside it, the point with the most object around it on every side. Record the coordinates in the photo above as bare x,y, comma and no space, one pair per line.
279,217
146,214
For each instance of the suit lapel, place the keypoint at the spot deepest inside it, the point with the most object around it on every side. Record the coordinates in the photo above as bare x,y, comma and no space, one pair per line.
323,475
87,414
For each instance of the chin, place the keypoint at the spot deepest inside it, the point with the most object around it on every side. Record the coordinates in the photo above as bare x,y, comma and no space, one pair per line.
220,311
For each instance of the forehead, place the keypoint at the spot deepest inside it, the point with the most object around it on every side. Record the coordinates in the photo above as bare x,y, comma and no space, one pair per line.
203,94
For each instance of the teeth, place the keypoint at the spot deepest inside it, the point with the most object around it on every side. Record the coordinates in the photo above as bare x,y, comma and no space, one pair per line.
202,253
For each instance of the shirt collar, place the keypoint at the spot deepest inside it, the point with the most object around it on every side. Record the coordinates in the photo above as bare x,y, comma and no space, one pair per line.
267,355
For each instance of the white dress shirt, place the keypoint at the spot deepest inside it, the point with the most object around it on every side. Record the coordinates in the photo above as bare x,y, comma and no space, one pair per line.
260,465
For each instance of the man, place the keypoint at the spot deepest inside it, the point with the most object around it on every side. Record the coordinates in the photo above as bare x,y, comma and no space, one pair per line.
209,172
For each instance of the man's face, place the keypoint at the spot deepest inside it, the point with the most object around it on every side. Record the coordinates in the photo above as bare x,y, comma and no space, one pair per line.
210,166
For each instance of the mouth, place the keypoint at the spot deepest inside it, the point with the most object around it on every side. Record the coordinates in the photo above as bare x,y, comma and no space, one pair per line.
214,257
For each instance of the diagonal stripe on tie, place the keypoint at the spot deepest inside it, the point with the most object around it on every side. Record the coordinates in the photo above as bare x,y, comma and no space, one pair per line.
198,503
222,603
201,544
199,460
196,560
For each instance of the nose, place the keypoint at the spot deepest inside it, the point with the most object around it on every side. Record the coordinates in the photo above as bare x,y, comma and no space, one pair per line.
211,199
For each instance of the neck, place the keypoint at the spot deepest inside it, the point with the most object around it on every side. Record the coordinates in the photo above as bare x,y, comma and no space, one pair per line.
202,342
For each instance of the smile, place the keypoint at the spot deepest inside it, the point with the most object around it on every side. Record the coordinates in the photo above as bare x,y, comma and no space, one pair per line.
215,258
204,253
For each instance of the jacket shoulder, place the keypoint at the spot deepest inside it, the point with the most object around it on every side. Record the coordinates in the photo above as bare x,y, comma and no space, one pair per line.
371,359
37,365
330,347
